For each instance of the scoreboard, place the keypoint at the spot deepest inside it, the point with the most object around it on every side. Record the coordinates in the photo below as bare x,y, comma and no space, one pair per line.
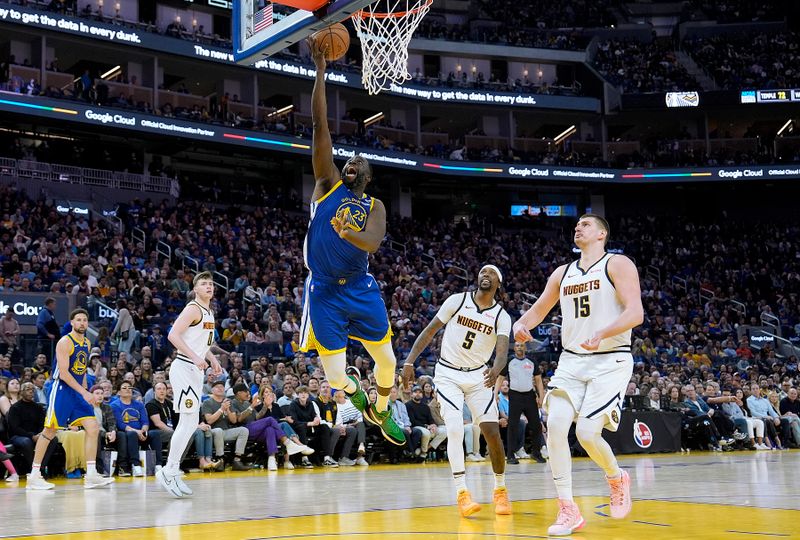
770,96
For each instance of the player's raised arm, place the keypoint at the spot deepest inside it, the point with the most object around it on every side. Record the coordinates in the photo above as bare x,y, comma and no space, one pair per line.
539,310
325,172
371,238
190,316
625,277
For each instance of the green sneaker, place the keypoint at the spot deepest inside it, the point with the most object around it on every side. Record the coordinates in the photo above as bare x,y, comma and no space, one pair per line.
359,398
390,430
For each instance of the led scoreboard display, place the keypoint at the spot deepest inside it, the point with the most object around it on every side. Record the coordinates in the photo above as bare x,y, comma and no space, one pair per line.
770,96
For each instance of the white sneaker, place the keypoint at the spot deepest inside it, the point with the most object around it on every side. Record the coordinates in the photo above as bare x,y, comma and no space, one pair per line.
361,462
543,451
761,446
35,481
169,483
329,462
272,465
91,481
185,489
137,470
292,447
346,462
522,454
473,458
288,465
12,478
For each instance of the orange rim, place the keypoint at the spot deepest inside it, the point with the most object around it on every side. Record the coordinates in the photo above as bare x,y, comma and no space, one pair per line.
397,14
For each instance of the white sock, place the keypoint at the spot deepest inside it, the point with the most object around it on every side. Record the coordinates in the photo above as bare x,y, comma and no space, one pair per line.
91,467
589,433
461,481
499,480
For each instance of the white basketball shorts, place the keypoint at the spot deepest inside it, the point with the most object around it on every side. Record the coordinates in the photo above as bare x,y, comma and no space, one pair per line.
187,385
594,383
454,388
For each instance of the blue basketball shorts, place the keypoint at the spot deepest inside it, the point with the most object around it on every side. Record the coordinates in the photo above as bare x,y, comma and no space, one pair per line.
334,311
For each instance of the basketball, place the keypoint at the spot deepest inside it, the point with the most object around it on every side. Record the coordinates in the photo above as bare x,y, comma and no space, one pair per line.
336,37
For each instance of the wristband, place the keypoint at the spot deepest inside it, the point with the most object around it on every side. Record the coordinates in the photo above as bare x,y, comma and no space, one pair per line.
407,364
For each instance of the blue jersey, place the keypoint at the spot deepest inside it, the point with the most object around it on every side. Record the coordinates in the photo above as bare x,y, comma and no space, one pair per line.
78,359
327,255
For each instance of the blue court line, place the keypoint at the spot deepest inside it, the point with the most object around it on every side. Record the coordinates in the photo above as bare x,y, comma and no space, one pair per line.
346,534
758,533
650,523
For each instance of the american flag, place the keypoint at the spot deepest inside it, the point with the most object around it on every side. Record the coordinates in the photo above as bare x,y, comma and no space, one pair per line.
262,18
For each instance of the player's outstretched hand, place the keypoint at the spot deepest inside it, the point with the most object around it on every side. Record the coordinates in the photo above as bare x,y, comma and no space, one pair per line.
592,344
490,377
521,333
317,53
408,377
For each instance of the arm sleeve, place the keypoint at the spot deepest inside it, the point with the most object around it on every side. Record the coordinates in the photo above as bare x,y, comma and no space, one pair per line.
450,306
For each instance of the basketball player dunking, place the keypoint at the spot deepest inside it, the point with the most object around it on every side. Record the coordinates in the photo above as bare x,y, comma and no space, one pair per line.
192,334
341,298
476,326
600,304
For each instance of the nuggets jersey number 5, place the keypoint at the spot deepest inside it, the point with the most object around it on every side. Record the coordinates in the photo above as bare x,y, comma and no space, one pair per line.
589,302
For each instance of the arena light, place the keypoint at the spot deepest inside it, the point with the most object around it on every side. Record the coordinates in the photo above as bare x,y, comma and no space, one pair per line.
281,111
561,137
113,72
786,126
372,119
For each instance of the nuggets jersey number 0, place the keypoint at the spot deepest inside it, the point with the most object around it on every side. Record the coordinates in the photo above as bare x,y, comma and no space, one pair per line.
588,303
471,334
200,336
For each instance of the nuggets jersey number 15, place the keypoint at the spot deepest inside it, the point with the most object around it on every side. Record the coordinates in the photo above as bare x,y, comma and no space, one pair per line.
471,334
589,302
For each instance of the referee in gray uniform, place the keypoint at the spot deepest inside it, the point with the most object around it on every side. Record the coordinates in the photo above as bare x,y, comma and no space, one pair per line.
522,373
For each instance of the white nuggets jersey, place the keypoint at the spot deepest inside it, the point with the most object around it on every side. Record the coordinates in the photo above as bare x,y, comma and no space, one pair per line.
470,336
588,303
200,336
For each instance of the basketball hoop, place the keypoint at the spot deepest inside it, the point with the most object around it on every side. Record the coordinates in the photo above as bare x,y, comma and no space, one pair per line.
385,29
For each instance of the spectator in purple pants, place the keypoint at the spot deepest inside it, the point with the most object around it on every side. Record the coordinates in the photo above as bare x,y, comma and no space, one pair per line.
262,427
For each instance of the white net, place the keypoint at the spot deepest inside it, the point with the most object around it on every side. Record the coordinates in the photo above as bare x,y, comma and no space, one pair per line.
385,29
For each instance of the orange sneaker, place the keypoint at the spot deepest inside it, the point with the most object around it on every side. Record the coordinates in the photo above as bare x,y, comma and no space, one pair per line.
466,506
620,495
501,504
568,521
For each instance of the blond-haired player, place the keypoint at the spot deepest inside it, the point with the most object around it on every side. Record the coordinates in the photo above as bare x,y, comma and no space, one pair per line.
192,334
600,303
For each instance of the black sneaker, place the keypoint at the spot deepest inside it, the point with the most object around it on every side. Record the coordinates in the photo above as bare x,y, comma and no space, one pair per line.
512,461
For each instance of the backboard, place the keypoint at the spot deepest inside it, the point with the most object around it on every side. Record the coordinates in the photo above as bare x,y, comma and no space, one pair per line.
262,28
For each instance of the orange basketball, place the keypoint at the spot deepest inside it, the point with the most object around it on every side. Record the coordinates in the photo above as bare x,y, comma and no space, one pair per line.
336,37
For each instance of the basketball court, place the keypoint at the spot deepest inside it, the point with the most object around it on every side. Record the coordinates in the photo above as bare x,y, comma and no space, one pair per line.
699,496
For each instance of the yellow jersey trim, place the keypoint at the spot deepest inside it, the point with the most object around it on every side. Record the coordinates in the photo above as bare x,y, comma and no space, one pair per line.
79,421
334,188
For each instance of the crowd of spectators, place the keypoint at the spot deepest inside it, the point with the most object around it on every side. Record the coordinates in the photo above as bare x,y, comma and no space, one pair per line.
732,11
749,61
684,342
636,67
501,34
